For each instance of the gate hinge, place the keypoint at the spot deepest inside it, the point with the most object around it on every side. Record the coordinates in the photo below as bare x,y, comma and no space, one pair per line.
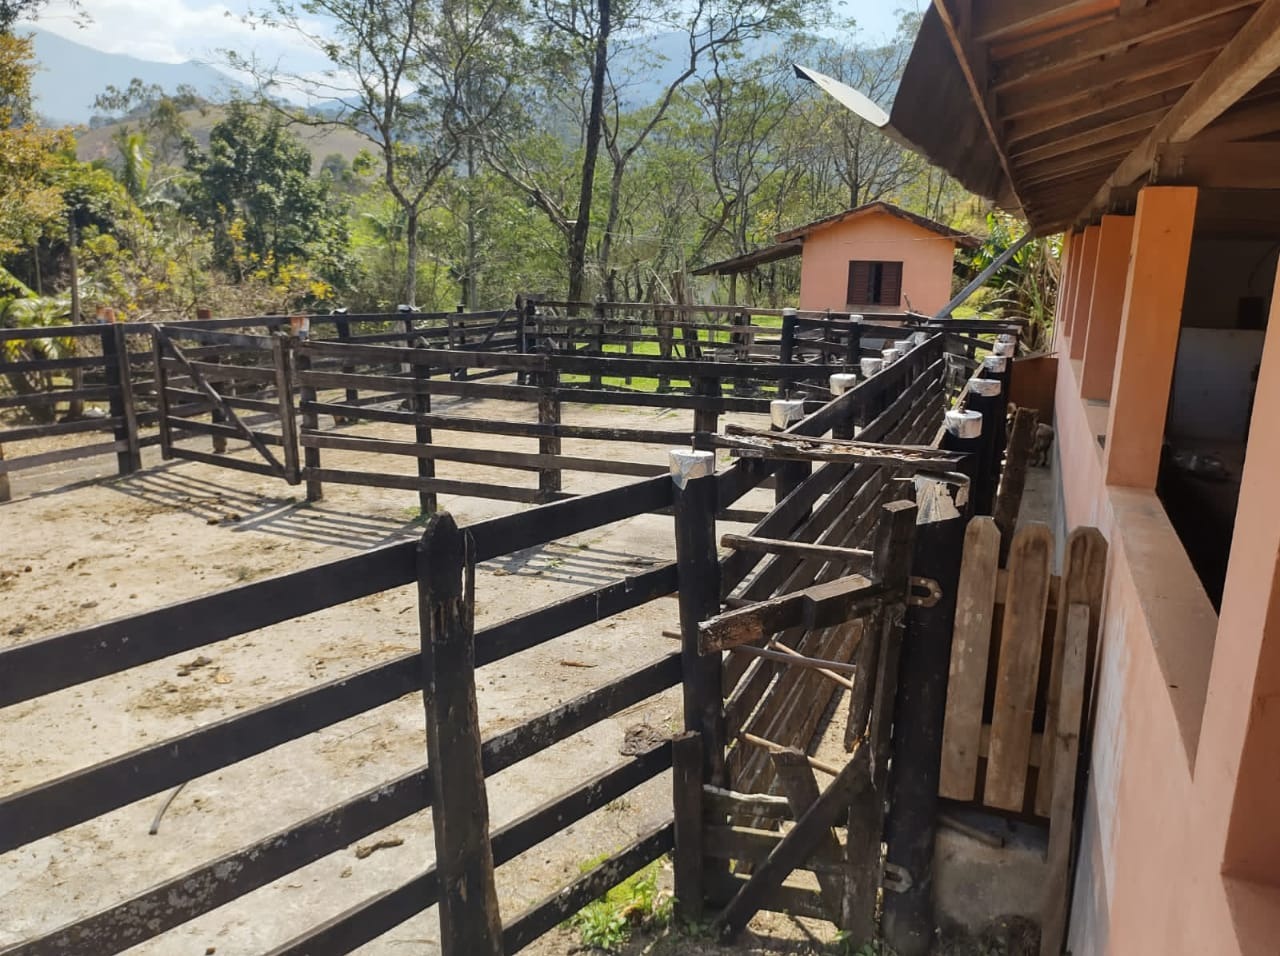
896,878
931,596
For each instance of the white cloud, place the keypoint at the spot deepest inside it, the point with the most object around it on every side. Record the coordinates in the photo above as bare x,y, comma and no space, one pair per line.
174,31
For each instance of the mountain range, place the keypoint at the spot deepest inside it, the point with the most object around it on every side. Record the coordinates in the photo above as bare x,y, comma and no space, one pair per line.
70,75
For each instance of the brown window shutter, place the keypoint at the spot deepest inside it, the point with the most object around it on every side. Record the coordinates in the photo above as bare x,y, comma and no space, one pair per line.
859,283
890,283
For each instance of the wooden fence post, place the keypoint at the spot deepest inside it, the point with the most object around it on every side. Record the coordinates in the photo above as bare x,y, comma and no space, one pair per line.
698,573
5,493
470,924
281,353
870,715
115,354
962,432
421,405
686,782
162,400
550,479
342,325
920,711
597,340
783,413
787,341
459,374
846,427
310,424
987,399
707,420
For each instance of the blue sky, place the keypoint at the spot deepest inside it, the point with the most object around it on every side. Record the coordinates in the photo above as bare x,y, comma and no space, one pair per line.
172,31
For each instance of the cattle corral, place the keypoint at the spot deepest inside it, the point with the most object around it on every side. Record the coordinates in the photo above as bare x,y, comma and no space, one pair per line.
168,533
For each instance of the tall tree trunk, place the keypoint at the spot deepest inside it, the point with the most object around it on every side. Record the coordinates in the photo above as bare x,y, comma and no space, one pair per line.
578,238
470,292
411,256
612,216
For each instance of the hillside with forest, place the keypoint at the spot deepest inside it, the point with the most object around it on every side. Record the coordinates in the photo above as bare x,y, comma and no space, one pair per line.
461,154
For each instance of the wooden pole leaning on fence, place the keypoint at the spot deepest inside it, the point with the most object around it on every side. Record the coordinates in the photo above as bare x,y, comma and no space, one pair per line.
920,712
470,924
115,354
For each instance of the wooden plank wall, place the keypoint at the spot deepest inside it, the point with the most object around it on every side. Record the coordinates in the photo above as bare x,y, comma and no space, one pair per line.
1007,680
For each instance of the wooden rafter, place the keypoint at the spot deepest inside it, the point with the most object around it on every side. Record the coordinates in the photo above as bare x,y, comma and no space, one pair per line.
1033,152
1044,131
1175,83
1001,18
1169,17
1152,60
1251,56
955,16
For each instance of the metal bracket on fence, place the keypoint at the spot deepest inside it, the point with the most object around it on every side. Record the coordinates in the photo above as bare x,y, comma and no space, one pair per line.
896,878
932,595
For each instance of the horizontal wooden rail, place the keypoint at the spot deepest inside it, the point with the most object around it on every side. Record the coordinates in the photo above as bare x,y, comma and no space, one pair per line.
522,461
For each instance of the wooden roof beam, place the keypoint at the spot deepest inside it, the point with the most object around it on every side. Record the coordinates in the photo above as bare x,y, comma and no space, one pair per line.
1148,23
999,18
1175,82
956,18
1149,60
1252,56
1029,152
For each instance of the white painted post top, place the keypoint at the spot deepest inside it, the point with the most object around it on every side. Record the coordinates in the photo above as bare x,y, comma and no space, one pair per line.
986,387
964,424
842,382
995,363
687,465
785,412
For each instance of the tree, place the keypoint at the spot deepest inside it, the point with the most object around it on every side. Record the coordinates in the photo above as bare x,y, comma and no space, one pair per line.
582,43
29,201
413,77
253,187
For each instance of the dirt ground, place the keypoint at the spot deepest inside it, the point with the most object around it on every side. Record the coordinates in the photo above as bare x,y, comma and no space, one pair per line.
77,548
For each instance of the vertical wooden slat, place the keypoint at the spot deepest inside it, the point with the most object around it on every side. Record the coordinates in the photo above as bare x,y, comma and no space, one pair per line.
470,924
1014,478
686,782
1017,673
970,652
1083,577
1066,751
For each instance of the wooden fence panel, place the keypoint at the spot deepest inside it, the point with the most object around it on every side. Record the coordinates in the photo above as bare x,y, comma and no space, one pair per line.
1021,640
970,651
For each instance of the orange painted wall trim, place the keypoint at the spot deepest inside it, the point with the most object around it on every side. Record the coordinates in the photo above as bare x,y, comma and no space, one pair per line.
1248,667
1084,300
1150,321
1114,241
1070,285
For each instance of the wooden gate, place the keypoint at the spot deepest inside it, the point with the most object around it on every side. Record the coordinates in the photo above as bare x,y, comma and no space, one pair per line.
222,375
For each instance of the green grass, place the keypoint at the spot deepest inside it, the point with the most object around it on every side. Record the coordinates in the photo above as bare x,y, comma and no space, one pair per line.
634,904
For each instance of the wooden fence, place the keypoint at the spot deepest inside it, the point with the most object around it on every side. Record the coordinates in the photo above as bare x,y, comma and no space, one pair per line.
461,878
715,359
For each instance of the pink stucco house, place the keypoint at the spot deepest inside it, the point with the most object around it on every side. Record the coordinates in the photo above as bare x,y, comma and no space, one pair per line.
875,258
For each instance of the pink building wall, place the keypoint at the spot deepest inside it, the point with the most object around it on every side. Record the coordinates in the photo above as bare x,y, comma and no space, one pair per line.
926,259
1180,842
